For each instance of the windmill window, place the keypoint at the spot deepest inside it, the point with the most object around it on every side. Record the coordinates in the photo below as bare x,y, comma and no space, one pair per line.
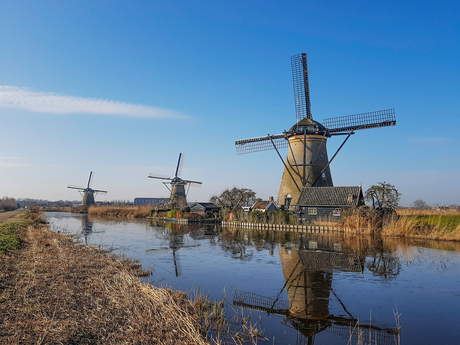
312,211
324,176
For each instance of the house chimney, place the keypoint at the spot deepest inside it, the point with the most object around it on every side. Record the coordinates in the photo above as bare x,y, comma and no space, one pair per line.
270,198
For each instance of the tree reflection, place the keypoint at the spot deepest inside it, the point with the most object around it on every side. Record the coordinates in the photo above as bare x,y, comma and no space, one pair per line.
385,265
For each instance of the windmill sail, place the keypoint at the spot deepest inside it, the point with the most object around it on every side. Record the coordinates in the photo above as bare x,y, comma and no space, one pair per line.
177,191
261,144
301,86
381,118
180,164
87,192
161,177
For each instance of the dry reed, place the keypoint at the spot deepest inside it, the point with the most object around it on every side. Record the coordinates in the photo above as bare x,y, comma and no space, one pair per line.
427,211
58,292
120,211
409,227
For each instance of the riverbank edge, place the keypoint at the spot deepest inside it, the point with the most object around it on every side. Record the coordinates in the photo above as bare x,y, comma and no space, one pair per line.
57,290
390,231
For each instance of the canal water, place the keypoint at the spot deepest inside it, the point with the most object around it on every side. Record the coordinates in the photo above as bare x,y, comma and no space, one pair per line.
303,288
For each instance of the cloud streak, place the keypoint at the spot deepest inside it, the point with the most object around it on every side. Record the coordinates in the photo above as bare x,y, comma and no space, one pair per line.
52,103
8,162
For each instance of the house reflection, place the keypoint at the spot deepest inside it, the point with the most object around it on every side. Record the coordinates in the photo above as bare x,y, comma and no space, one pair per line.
308,271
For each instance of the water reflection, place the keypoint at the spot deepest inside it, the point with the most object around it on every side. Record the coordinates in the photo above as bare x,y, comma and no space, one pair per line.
86,228
308,288
308,269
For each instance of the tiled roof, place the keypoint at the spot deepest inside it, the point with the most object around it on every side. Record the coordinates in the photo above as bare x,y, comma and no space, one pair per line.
331,196
260,205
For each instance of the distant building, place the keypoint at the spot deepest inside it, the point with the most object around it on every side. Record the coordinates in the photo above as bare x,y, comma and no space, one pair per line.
205,208
151,201
265,206
327,203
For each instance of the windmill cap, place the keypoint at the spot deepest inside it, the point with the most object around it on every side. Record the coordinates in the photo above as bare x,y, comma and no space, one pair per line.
311,126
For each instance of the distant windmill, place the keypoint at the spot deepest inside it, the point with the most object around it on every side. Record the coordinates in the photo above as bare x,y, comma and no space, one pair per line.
178,185
88,193
307,163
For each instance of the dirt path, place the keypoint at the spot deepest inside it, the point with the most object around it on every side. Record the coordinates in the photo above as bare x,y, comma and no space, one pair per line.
5,216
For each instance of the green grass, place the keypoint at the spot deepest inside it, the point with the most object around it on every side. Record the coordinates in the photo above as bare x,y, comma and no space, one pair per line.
446,223
10,235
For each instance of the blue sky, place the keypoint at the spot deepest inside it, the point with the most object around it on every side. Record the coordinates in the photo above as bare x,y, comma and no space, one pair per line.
122,87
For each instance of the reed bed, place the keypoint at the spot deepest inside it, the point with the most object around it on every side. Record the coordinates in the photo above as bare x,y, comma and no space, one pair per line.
120,211
432,227
57,291
411,211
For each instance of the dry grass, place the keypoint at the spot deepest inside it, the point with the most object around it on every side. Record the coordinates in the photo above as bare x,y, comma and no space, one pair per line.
427,211
412,223
360,224
412,227
120,211
58,292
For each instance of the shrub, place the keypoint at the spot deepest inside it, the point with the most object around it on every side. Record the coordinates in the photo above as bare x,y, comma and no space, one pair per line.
8,204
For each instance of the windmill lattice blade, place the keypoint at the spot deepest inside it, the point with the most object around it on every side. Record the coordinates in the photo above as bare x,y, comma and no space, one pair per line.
190,181
75,187
260,144
161,177
90,180
301,86
100,191
180,164
381,118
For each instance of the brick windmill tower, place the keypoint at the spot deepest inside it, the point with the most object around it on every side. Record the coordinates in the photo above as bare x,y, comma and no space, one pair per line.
307,163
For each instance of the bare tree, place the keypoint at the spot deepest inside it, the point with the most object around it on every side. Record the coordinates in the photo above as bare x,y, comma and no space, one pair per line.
235,197
384,194
419,203
8,204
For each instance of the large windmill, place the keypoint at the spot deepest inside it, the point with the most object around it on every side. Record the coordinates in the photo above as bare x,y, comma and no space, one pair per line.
88,193
307,162
178,186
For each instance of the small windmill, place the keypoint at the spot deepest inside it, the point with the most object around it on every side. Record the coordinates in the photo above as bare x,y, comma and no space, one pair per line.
88,193
178,185
307,163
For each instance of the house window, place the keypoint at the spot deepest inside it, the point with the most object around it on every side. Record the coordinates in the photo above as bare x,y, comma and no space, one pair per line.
312,211
336,212
350,197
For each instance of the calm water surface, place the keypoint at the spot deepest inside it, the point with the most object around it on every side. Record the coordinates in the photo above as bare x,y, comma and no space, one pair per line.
307,288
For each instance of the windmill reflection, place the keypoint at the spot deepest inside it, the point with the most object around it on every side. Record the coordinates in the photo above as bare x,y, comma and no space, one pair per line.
86,227
308,269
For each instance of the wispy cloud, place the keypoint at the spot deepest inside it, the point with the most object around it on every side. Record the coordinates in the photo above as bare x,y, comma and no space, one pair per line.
12,162
47,102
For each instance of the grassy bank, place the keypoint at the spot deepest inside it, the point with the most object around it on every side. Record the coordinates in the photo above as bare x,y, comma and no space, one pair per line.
412,223
56,291
434,227
11,234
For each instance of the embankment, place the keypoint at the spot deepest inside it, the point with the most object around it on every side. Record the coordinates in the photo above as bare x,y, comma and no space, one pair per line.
55,290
